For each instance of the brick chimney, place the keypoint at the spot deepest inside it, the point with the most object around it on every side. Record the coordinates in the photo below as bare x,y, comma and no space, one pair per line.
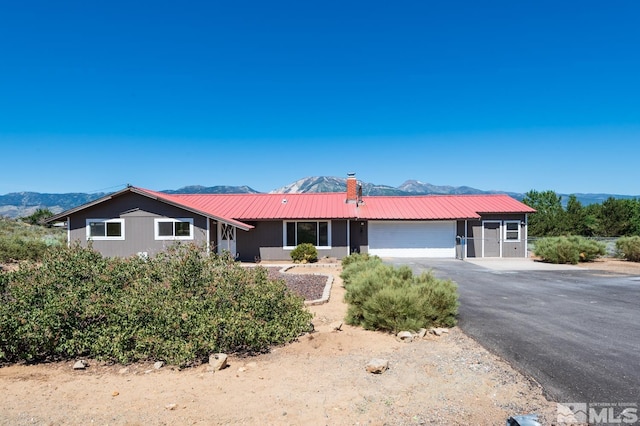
352,188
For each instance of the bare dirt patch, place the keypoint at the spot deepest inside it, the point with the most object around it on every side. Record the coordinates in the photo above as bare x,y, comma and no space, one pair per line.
617,266
320,379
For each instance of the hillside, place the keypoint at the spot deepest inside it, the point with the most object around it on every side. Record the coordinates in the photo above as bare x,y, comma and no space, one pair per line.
20,204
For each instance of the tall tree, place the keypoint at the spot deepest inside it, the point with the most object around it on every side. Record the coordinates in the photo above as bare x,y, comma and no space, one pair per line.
549,218
576,217
615,217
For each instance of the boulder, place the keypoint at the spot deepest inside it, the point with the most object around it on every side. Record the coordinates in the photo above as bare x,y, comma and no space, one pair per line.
377,366
439,331
217,362
80,365
405,336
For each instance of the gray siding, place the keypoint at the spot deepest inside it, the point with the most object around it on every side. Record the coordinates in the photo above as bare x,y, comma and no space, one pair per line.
265,242
474,240
138,213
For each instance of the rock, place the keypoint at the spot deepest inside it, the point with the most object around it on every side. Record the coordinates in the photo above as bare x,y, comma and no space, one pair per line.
377,366
439,331
405,336
123,370
171,407
158,365
80,365
217,362
115,393
422,332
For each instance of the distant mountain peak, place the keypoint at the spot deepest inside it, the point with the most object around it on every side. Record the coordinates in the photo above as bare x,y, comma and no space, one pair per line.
21,204
314,184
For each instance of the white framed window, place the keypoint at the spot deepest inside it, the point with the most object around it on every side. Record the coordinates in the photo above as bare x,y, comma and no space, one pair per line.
317,233
512,230
173,229
105,229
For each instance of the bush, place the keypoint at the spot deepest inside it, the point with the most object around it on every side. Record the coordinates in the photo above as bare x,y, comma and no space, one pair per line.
382,297
628,248
21,241
572,249
177,307
304,253
357,257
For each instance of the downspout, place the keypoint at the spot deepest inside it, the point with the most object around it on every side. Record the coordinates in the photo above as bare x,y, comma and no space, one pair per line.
208,236
68,231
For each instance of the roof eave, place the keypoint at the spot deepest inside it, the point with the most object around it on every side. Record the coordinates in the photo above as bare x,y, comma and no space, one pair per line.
139,191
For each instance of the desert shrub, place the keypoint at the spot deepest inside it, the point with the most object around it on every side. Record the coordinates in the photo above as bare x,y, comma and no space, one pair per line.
304,253
177,307
356,257
628,248
381,297
572,249
357,263
14,248
22,241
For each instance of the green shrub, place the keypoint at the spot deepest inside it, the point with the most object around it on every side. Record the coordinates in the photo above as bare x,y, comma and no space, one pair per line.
22,241
304,253
381,297
177,307
572,249
357,257
628,248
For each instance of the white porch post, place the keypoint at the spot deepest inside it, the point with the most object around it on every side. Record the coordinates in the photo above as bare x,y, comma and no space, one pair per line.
348,237
526,235
208,236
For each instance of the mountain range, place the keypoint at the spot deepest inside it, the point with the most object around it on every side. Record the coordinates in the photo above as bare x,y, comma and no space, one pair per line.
20,204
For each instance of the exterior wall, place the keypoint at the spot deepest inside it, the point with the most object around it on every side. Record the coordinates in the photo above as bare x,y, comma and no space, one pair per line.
138,213
359,233
265,242
475,243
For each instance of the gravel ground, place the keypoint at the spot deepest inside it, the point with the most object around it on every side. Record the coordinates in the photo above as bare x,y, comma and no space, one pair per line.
309,286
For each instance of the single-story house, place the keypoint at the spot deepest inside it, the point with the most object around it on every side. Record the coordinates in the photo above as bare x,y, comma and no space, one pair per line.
268,226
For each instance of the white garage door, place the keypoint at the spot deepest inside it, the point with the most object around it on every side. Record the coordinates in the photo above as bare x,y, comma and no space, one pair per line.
412,239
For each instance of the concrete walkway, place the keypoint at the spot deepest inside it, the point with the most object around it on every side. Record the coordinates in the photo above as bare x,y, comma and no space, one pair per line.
519,264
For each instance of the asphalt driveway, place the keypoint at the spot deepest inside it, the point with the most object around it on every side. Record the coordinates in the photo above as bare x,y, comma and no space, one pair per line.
576,331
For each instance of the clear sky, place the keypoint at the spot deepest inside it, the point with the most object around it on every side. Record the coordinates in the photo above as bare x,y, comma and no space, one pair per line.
504,95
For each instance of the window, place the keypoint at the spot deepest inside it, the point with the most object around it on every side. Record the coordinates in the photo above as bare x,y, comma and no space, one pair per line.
105,229
173,229
316,233
511,230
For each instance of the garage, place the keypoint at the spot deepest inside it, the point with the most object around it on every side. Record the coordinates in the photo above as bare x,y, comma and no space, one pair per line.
412,238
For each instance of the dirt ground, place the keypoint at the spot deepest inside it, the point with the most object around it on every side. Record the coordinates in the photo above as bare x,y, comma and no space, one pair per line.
318,380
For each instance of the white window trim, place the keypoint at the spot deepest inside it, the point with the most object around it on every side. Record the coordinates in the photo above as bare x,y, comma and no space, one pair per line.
505,231
156,228
284,233
104,238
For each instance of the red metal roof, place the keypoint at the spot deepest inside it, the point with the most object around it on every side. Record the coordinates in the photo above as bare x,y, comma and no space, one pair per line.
243,207
438,207
271,206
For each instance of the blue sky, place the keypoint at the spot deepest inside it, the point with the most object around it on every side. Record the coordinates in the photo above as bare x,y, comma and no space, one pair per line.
503,95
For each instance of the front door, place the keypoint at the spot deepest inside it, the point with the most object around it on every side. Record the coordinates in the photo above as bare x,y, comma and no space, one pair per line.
491,239
227,239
